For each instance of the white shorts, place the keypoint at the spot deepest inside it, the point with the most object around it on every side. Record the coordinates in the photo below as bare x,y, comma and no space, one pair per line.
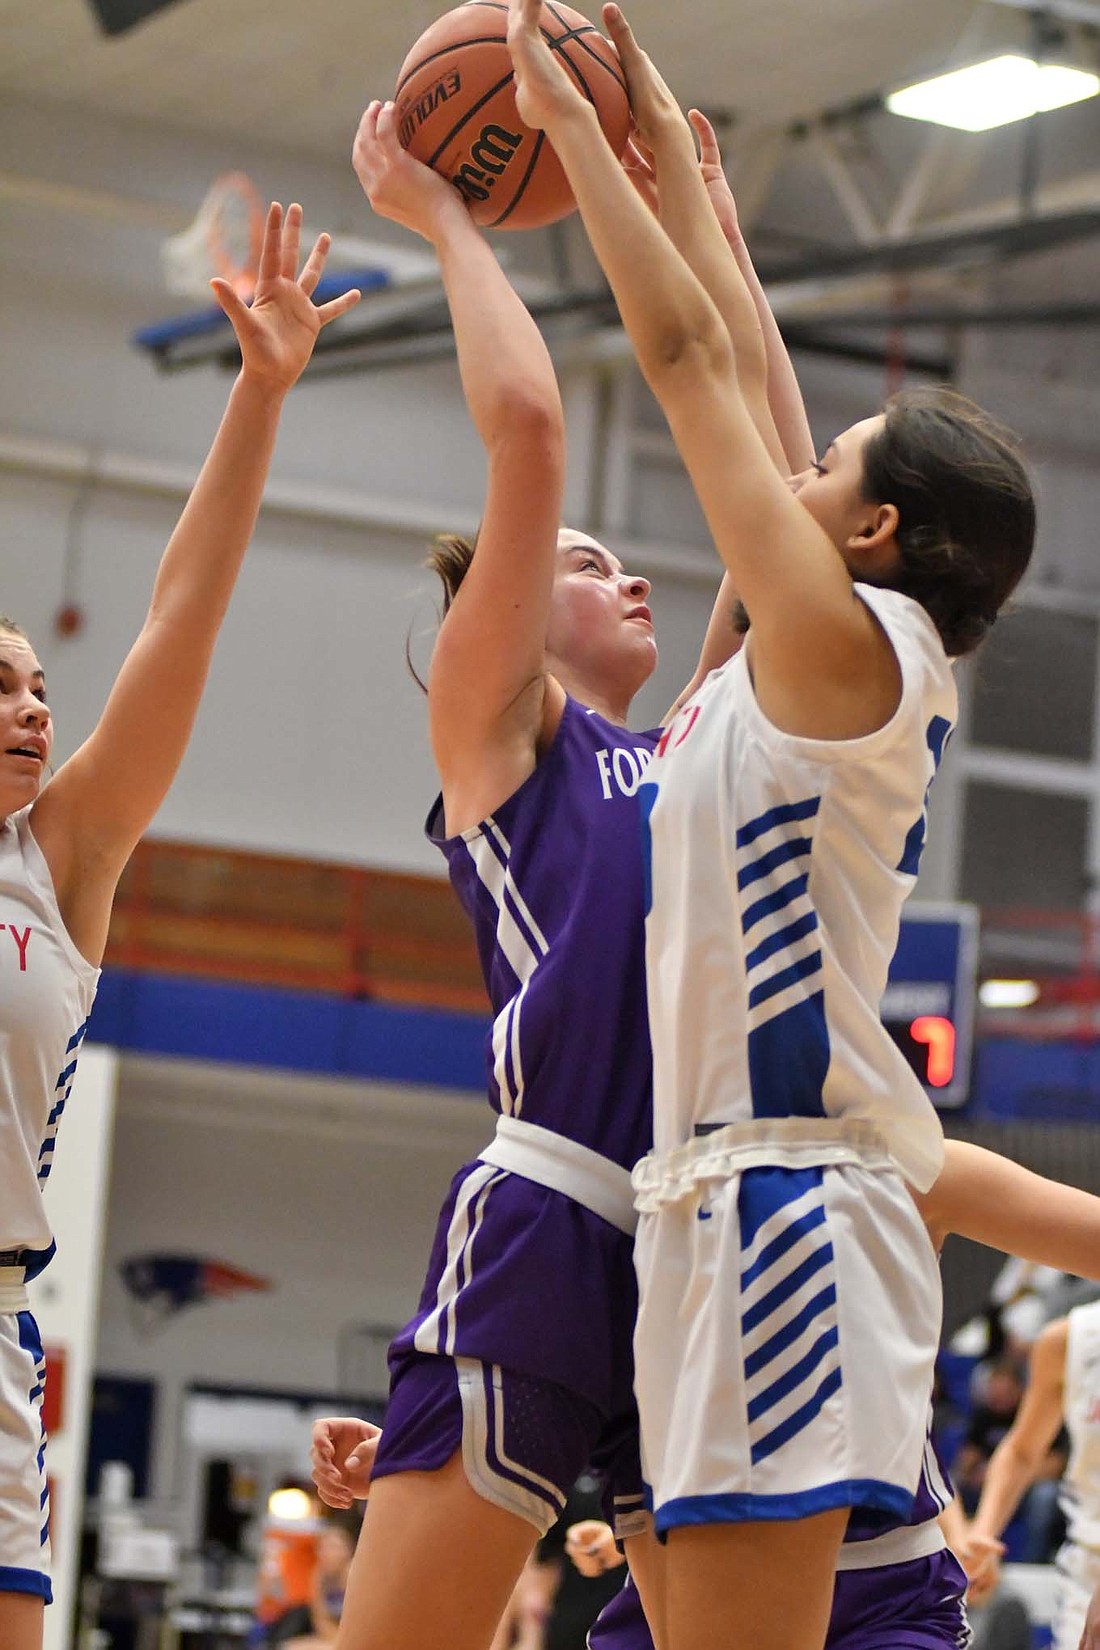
788,1325
24,1506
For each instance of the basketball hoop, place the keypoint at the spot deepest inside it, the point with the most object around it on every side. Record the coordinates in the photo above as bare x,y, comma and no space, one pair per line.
224,239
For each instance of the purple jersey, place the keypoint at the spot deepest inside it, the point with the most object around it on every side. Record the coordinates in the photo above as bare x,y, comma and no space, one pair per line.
552,882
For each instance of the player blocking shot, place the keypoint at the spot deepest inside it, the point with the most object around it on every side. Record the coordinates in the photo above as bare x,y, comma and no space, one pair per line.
789,1300
64,843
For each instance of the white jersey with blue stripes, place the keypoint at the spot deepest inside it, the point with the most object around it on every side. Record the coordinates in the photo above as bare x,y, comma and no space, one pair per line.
778,867
1081,1482
46,993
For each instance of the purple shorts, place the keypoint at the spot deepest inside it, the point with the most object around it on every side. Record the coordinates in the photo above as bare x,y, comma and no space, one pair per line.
913,1606
520,1353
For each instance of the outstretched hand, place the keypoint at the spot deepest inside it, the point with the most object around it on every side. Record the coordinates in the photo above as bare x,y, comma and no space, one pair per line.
656,112
278,330
710,166
544,92
398,186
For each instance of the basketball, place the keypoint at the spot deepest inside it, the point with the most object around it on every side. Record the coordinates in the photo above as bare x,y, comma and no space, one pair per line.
456,110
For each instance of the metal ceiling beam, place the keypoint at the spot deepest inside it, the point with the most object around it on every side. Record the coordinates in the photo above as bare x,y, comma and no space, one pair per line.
960,249
1066,11
955,315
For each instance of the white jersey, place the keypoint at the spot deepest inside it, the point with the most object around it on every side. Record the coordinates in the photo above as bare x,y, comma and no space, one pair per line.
46,992
1081,1483
779,866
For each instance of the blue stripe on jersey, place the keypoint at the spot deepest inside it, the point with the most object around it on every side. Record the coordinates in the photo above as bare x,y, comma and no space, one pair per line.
797,847
778,1246
36,1260
788,1284
62,1089
788,976
783,814
937,734
815,1307
793,1377
787,1034
77,1038
764,1193
30,1341
789,1061
800,1420
766,907
789,1330
780,940
743,1507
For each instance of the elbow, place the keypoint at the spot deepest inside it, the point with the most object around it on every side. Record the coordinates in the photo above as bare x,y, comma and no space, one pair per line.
530,429
692,351
522,413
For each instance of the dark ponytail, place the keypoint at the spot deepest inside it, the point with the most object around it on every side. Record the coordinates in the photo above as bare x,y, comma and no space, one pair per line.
965,505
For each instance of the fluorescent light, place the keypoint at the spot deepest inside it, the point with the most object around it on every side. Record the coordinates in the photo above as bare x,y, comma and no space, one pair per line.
993,93
1008,993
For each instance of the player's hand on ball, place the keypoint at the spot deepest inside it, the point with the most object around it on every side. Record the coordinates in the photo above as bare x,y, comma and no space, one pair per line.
342,1456
544,92
278,330
398,186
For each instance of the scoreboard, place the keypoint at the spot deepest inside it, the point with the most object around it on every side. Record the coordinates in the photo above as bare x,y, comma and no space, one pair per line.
928,1004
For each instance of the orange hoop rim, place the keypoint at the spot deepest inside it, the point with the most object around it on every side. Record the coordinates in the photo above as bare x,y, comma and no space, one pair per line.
224,262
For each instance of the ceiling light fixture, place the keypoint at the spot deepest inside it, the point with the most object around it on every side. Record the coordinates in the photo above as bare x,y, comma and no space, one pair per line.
993,93
1008,993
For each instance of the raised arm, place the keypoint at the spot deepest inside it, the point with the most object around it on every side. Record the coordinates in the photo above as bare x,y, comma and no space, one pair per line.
725,632
89,817
788,409
487,687
1018,1459
822,666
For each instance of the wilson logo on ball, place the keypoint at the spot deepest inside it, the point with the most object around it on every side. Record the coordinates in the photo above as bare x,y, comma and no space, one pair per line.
456,110
411,119
489,157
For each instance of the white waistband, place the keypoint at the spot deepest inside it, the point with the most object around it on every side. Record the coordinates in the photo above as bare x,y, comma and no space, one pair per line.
784,1142
564,1165
13,1296
895,1547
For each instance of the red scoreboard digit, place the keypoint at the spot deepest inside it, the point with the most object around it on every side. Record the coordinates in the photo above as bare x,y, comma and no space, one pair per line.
928,1004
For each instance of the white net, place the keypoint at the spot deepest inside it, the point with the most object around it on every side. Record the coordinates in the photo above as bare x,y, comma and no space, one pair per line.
224,239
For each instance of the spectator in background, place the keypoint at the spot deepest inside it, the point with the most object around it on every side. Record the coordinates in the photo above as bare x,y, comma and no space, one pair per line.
524,1623
1062,1389
335,1549
1001,1390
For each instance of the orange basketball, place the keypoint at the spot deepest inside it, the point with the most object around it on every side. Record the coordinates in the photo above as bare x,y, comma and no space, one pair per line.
456,110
